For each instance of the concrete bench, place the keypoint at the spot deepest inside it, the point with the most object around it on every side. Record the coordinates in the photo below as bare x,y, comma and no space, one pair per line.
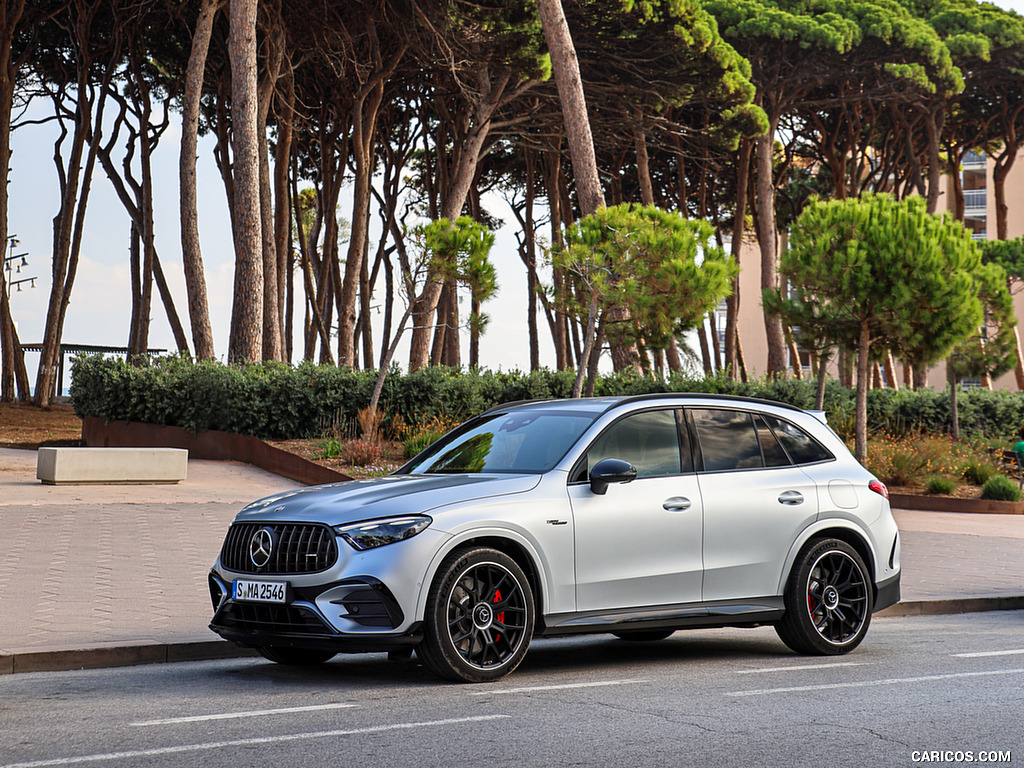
111,466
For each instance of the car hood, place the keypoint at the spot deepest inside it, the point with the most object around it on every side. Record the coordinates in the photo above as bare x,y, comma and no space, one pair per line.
355,500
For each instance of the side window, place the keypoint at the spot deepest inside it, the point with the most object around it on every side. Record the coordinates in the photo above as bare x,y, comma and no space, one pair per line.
774,455
801,447
649,441
727,440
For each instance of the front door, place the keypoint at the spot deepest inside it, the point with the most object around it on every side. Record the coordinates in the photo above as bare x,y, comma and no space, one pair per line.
639,544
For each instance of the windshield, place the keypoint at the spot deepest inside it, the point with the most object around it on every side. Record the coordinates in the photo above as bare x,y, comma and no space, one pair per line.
521,441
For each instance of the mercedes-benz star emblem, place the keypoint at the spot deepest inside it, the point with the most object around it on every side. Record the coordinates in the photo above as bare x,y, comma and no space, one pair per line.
260,547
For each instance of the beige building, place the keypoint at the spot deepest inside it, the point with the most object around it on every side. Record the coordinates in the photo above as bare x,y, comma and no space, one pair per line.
979,216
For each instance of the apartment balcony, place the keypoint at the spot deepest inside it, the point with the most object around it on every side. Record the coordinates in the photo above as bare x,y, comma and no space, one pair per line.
975,202
974,160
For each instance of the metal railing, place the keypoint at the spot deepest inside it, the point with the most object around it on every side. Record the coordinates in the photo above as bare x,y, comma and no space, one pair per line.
975,198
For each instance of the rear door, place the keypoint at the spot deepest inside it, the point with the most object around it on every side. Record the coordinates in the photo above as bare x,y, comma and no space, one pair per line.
756,502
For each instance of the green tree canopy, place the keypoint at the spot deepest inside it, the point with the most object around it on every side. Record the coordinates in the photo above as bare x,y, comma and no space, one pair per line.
903,278
649,273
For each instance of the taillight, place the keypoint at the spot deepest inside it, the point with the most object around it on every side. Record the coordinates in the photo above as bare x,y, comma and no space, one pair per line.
879,487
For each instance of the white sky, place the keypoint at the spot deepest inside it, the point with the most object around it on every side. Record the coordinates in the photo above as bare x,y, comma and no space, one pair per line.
100,307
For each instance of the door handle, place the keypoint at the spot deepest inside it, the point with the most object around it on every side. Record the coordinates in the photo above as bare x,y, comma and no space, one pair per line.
791,498
676,504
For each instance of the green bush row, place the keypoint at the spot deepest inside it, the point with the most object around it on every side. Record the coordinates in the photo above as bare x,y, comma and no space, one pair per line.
279,401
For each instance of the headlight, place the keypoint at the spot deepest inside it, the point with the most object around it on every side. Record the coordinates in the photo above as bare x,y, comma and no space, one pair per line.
377,533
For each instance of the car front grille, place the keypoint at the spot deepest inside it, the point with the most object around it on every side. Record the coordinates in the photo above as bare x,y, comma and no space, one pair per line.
297,548
278,619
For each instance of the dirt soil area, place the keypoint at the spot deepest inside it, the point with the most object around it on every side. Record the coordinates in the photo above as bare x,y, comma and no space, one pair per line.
24,426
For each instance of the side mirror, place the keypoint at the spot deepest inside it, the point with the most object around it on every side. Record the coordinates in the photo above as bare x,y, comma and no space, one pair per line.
609,471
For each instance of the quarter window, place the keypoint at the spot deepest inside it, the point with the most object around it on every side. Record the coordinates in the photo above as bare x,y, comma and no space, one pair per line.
802,448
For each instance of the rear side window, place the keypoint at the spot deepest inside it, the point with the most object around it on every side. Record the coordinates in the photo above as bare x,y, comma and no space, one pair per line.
801,447
774,455
727,440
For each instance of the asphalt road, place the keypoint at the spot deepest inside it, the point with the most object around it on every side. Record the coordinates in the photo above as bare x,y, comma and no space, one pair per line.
921,691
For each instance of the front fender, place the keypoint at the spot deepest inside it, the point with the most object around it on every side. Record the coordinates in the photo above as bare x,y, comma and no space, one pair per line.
460,539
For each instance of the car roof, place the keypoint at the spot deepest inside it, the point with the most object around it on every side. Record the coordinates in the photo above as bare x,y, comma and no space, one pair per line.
599,405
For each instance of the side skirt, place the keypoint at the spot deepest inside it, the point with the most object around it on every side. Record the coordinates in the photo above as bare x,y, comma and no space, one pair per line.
730,613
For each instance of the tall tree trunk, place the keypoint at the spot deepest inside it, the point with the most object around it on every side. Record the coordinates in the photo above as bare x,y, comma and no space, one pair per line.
69,222
191,254
933,132
12,362
732,303
282,207
272,331
768,240
468,155
246,343
364,121
819,391
643,163
705,351
863,384
566,70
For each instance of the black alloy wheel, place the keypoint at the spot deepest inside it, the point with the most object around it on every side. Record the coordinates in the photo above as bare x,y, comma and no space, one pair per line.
480,617
829,599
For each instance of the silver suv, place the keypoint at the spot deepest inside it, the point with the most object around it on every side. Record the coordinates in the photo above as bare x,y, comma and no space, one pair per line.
634,516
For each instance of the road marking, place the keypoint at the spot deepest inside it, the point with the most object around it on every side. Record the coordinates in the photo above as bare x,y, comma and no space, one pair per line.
139,753
802,666
234,715
565,687
988,653
870,683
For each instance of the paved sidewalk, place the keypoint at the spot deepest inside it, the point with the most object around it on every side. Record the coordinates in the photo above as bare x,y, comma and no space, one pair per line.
106,575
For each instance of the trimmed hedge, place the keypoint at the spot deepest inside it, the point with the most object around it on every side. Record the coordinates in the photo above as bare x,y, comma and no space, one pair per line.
279,401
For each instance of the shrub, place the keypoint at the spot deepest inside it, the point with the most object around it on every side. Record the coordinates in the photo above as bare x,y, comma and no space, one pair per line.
427,433
940,485
905,460
329,449
1001,488
361,452
279,401
978,472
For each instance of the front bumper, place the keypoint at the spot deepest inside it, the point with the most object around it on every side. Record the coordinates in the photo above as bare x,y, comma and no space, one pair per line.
364,604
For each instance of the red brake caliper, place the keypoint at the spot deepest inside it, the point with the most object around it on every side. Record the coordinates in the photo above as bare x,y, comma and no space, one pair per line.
500,617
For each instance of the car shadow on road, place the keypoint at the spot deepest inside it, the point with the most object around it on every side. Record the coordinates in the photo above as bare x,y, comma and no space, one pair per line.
596,654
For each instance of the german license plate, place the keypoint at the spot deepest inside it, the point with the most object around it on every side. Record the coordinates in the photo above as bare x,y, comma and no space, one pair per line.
260,591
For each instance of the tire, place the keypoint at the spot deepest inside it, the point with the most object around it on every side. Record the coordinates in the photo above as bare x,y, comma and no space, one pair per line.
829,598
295,657
644,635
480,617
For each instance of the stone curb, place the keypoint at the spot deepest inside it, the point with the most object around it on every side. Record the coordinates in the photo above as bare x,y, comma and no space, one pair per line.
159,653
953,605
66,659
